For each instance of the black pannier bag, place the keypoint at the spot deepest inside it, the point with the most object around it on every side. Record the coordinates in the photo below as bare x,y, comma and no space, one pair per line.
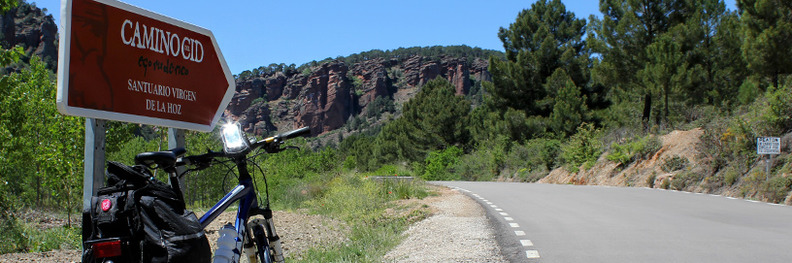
146,217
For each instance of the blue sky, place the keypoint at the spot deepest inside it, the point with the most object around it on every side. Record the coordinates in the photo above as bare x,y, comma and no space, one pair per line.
253,33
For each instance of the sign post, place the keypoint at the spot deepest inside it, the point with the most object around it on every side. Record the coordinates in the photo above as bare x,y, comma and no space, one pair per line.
768,146
123,63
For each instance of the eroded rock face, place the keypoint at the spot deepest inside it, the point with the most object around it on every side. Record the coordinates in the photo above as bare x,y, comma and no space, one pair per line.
33,29
325,102
374,80
334,92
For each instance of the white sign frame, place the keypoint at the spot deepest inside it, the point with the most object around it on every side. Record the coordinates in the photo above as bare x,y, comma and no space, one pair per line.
768,145
64,48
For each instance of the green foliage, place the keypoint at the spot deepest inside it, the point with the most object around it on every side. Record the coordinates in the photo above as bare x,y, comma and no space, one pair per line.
634,149
22,236
433,52
439,162
570,108
685,179
777,188
479,165
434,119
674,163
683,51
41,155
583,147
776,117
380,105
650,181
363,204
6,5
767,28
531,161
544,38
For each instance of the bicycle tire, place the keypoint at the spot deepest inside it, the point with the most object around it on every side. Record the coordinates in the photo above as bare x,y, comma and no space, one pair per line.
262,245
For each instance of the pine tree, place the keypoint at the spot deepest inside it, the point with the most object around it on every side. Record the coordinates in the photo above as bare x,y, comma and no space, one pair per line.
434,119
767,29
542,39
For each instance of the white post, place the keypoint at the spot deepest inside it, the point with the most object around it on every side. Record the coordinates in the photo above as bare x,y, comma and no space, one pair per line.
176,139
93,166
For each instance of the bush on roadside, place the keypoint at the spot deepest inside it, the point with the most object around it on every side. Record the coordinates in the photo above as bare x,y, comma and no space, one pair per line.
685,179
777,188
674,163
634,149
439,164
583,148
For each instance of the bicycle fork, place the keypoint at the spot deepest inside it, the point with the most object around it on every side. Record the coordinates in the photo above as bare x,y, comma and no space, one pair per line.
272,237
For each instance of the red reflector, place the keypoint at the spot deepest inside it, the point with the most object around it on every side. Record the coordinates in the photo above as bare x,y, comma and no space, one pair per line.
107,249
106,204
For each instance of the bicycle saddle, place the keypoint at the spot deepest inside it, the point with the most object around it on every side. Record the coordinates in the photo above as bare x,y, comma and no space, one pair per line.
163,159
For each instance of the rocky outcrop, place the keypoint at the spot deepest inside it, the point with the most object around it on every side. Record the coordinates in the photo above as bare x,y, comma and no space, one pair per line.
33,30
325,102
334,92
373,80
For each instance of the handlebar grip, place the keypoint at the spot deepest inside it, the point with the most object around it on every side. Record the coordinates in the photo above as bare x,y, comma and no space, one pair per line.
295,133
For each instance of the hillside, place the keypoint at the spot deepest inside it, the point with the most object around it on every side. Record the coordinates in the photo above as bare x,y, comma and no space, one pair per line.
680,164
355,89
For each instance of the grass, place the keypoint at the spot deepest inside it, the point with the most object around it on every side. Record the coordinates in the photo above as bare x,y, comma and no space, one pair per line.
17,235
376,221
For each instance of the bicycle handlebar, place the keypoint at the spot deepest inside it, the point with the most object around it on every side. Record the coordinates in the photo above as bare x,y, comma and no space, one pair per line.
283,136
270,144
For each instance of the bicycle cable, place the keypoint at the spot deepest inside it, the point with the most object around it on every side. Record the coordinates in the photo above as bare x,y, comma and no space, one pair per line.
264,176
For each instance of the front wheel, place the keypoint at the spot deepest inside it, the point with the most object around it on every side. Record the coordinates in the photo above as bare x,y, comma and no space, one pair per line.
262,245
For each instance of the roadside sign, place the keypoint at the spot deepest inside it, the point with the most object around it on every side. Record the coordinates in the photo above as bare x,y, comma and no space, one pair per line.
120,62
768,145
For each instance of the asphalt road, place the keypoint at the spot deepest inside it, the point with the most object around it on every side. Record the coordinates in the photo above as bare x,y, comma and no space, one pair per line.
565,223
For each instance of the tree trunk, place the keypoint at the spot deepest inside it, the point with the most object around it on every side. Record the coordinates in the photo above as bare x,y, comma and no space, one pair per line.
665,114
647,111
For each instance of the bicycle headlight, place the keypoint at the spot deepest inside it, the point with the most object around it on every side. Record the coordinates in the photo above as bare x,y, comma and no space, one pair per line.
234,141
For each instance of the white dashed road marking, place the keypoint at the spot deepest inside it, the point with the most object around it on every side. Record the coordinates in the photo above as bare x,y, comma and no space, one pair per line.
531,254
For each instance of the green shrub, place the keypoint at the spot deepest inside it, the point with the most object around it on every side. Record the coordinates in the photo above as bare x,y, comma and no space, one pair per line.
476,166
665,184
632,150
651,180
439,162
674,163
582,148
376,225
21,236
684,180
776,189
730,177
776,115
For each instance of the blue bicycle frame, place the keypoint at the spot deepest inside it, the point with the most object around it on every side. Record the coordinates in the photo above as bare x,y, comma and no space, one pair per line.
246,194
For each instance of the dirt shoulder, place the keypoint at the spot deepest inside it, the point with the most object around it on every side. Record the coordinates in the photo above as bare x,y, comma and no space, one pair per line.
458,231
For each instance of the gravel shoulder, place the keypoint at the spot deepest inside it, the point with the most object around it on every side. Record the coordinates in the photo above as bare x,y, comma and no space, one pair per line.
459,231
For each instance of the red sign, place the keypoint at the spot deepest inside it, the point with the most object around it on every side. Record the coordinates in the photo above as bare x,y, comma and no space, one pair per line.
120,62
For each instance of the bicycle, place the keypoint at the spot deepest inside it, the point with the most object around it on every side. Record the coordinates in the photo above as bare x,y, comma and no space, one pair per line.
258,234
